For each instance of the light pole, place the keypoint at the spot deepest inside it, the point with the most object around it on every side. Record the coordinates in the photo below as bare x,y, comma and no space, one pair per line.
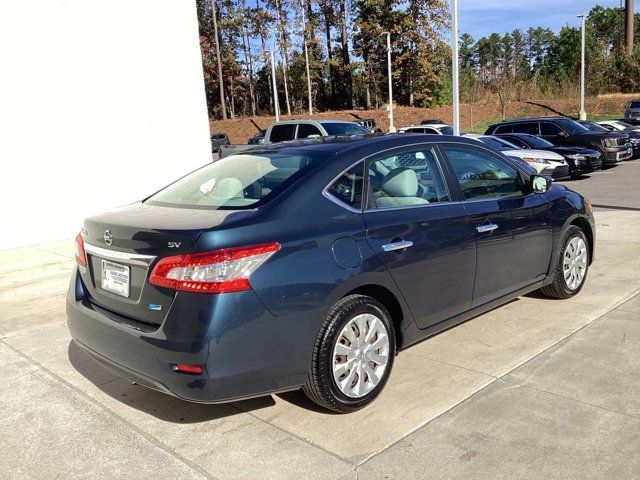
392,128
454,67
583,114
276,104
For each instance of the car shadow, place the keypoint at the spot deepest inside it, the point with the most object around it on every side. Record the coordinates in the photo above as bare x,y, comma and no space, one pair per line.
159,405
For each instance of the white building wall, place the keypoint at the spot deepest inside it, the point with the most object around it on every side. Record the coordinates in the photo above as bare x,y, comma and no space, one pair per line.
101,103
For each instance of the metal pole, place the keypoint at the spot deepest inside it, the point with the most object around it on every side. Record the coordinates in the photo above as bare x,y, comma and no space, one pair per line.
306,57
628,31
276,104
454,67
392,128
583,114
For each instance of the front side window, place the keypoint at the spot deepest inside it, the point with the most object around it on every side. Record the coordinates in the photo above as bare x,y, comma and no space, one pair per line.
282,133
531,128
238,181
406,179
482,175
548,128
306,130
349,186
503,129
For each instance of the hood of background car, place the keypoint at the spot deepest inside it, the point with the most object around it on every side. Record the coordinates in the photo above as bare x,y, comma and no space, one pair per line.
535,154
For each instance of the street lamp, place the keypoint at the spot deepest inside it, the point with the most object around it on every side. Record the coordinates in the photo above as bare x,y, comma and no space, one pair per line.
392,129
583,114
276,104
454,67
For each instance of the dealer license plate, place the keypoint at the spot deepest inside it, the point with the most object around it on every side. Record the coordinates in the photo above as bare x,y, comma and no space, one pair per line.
115,278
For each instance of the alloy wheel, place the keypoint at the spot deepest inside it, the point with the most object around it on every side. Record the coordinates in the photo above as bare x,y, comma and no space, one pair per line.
574,265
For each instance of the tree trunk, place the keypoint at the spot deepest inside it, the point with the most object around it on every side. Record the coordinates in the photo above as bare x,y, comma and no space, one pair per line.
285,56
326,10
219,59
247,59
346,62
306,58
367,79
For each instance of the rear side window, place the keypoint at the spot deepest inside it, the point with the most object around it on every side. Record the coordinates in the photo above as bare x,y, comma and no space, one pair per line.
348,187
548,128
406,179
482,175
531,128
503,129
282,133
306,130
238,181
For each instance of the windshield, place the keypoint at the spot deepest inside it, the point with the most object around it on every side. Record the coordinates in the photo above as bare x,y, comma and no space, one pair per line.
634,104
594,127
344,128
499,144
537,142
570,126
238,181
446,130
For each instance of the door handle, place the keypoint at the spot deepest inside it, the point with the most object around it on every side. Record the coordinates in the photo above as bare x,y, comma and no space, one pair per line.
392,247
487,227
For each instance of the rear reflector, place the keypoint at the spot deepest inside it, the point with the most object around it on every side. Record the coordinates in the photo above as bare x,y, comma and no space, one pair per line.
184,368
219,271
81,256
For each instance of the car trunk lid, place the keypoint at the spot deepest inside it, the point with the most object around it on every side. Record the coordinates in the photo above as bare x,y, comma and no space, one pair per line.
122,247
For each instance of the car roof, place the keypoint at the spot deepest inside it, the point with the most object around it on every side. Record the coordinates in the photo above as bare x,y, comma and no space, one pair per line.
535,119
343,143
311,120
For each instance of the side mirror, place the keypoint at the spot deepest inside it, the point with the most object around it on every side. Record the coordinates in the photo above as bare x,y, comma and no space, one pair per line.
540,184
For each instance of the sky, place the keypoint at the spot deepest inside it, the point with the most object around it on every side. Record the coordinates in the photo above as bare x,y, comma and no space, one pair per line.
483,17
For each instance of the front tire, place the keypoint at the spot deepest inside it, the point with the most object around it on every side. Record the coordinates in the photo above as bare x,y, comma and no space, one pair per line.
572,265
352,356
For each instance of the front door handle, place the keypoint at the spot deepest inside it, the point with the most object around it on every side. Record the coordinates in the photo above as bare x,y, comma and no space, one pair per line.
486,227
392,247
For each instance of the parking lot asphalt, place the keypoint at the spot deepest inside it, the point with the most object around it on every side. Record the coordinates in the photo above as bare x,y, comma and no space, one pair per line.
537,388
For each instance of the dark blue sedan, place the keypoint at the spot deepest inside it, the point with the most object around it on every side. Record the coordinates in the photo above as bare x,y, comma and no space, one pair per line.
311,264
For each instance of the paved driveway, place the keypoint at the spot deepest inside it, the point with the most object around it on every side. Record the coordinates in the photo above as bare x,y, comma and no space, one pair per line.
534,389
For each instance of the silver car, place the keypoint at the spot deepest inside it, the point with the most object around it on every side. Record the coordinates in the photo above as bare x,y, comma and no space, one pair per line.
632,111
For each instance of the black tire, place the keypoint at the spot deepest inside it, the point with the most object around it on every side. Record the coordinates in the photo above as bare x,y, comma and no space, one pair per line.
559,288
321,387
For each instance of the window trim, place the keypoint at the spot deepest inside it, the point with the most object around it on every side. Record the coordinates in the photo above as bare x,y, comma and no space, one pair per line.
336,200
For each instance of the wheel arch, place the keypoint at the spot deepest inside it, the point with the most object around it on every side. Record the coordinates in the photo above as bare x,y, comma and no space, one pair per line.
585,226
390,302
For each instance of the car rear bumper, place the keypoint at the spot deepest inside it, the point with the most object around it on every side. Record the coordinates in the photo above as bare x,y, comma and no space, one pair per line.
244,350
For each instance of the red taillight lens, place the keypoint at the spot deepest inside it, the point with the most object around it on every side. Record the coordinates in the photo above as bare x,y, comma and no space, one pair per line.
81,256
219,271
184,368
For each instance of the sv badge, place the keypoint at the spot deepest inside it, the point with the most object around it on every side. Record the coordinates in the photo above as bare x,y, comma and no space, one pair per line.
174,244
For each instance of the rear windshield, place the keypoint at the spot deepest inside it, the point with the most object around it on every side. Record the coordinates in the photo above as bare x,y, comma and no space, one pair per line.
239,181
446,130
346,128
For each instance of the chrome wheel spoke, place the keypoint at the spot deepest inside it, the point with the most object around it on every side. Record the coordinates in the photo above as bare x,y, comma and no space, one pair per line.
342,349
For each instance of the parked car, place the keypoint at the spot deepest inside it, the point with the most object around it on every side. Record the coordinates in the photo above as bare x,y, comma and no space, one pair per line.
258,138
432,121
548,164
298,129
611,126
580,160
217,140
613,147
369,124
632,111
311,265
431,128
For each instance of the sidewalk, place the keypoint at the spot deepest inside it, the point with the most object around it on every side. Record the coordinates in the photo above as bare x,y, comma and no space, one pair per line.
534,389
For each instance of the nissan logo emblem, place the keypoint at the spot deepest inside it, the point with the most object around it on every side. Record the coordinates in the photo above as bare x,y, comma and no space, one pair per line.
108,237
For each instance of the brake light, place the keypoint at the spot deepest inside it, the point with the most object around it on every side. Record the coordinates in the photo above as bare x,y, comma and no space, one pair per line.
183,368
81,256
219,271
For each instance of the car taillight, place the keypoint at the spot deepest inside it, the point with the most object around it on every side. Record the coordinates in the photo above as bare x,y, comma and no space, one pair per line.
219,271
81,256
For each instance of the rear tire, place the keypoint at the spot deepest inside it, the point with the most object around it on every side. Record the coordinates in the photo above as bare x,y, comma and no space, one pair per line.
352,356
571,267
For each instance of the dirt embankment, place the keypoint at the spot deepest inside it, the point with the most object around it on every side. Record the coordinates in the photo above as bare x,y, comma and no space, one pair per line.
472,115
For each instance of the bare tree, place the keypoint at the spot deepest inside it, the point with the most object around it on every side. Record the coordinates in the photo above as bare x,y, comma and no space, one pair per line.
217,44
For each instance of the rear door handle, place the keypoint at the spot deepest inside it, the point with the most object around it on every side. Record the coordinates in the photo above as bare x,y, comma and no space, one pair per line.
486,227
392,247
